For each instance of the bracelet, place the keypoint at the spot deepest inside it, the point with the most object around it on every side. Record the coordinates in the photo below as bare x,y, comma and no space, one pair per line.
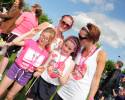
91,98
41,69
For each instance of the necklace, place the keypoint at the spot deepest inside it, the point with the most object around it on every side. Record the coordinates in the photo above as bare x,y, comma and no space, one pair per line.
83,59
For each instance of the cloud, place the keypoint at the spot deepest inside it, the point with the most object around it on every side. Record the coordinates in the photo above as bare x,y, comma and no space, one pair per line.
98,5
80,20
112,29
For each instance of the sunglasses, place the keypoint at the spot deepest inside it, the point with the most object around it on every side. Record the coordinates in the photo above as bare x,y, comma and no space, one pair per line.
65,23
82,37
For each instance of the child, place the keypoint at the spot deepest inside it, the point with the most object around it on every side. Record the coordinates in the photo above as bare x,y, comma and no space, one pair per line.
33,55
58,68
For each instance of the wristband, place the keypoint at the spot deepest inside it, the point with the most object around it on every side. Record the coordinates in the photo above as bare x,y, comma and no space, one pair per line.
91,98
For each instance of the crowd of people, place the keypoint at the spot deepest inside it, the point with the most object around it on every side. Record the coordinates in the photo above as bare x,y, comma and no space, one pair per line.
70,68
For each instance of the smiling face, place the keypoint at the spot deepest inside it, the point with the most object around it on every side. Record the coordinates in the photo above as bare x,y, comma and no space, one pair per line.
65,24
68,47
46,37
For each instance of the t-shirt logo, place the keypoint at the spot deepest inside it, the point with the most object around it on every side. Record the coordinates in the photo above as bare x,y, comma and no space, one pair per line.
34,58
55,69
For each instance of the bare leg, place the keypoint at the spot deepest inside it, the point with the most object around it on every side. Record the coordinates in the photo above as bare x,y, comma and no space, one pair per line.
102,98
14,90
6,82
29,99
3,64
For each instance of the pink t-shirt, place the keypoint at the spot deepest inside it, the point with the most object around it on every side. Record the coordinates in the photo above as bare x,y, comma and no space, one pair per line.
28,21
31,56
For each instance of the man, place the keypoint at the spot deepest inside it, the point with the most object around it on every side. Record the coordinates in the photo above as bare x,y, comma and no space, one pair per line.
112,81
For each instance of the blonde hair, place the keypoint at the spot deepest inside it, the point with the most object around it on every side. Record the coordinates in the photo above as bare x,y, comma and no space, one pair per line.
51,31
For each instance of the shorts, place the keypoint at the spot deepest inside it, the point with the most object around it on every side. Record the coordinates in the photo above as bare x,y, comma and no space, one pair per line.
42,90
11,49
3,36
20,75
57,97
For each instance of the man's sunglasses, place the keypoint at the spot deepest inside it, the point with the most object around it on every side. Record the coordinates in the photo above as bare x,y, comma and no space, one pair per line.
64,23
82,38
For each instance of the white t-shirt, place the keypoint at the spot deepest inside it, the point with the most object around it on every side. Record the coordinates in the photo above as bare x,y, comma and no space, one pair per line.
79,89
67,66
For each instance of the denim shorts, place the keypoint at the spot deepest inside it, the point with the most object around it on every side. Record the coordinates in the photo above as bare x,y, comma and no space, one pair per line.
18,74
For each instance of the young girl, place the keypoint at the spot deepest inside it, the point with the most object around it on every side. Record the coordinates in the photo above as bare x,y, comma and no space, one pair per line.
33,55
58,68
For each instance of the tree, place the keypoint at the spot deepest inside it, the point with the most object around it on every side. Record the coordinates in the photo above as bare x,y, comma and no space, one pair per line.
109,65
44,18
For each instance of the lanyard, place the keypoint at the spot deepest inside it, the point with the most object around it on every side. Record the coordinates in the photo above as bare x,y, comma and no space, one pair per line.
90,53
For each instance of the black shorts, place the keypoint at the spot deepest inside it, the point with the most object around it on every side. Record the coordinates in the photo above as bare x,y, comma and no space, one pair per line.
42,90
11,49
3,36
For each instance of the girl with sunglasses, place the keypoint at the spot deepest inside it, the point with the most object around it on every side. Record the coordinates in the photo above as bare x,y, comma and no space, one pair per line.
90,62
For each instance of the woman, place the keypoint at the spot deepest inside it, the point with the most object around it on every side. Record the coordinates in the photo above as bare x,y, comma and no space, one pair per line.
90,63
8,23
66,22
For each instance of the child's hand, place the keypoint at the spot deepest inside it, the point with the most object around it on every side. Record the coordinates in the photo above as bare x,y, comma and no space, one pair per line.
37,74
40,69
2,42
34,30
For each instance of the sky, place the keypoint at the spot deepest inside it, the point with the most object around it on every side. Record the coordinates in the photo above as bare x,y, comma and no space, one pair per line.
109,15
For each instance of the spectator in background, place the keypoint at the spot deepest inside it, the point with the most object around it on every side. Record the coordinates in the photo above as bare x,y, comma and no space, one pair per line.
24,23
112,81
9,18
